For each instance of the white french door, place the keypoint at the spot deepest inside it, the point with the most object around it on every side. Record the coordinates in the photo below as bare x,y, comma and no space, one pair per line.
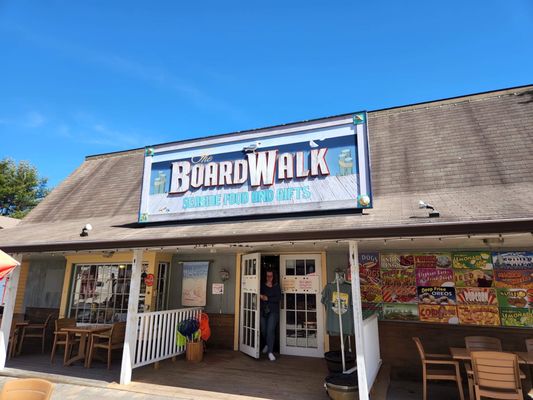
249,320
302,317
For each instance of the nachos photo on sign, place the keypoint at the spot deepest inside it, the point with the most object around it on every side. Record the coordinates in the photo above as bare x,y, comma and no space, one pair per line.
478,315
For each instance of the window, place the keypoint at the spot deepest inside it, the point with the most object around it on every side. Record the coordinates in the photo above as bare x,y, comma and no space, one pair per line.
161,287
100,293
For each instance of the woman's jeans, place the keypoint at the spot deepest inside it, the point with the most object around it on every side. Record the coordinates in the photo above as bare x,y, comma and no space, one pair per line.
269,323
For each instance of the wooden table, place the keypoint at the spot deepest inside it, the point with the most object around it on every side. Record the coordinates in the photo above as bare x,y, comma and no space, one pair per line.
462,354
83,332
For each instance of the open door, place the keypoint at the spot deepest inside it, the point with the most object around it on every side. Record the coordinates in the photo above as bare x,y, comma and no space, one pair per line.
250,290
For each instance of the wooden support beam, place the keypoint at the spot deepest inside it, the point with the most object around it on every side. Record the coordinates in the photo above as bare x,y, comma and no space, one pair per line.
130,339
358,321
9,306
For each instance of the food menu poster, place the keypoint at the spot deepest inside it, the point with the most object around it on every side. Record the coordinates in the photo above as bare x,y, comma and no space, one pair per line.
469,288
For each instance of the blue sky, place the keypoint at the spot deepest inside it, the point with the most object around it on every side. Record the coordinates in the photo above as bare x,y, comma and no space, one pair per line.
79,78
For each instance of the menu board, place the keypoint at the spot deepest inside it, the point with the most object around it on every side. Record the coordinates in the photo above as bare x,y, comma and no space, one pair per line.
437,295
472,260
369,272
371,293
515,298
434,277
397,261
398,277
513,260
478,315
473,277
521,278
399,294
400,312
438,313
521,317
473,296
468,287
433,260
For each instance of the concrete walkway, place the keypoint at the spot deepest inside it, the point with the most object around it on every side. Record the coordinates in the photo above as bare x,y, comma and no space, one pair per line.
64,391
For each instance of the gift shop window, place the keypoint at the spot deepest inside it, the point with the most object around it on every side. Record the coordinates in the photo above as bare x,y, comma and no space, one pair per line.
100,293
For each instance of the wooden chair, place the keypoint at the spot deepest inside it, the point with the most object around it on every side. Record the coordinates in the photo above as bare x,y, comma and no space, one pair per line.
431,372
496,375
111,340
36,331
14,334
483,343
27,389
529,345
60,337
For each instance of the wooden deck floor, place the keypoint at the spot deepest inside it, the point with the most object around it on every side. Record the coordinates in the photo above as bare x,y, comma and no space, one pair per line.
234,373
222,374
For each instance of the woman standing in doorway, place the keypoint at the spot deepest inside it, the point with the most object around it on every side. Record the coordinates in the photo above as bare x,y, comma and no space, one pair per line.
270,298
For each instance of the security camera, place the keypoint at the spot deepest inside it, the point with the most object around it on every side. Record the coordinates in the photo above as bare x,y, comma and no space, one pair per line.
85,230
423,205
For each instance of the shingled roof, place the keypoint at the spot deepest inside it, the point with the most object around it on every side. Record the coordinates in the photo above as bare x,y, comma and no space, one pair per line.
470,156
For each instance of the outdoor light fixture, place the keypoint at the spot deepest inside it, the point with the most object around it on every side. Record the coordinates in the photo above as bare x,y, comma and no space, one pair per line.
85,230
433,213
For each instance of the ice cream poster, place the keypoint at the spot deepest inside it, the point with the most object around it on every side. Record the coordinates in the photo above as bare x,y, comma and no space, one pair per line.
194,284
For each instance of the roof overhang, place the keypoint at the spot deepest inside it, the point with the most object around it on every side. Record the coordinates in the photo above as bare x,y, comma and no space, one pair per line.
413,230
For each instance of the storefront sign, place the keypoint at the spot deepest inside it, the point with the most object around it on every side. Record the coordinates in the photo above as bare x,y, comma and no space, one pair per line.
513,260
517,317
433,260
472,260
480,296
434,277
194,283
438,295
478,315
313,166
438,313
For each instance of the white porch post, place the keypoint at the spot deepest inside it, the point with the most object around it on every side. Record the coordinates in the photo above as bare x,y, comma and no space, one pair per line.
358,321
130,339
9,306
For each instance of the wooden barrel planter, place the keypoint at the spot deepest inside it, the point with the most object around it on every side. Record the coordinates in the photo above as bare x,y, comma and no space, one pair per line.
195,351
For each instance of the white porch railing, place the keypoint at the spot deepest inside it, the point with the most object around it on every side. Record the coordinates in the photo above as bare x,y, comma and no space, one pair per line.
156,335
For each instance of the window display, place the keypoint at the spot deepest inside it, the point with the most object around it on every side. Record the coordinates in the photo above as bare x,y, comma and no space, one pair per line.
100,293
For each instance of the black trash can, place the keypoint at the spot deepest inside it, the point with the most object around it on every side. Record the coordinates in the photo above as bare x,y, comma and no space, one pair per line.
342,386
334,360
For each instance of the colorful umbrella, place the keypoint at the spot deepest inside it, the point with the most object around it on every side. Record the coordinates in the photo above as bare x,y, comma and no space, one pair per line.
7,264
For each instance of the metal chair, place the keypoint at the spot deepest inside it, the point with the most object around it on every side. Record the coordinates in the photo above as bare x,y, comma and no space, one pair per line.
36,331
496,375
110,340
26,389
450,372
